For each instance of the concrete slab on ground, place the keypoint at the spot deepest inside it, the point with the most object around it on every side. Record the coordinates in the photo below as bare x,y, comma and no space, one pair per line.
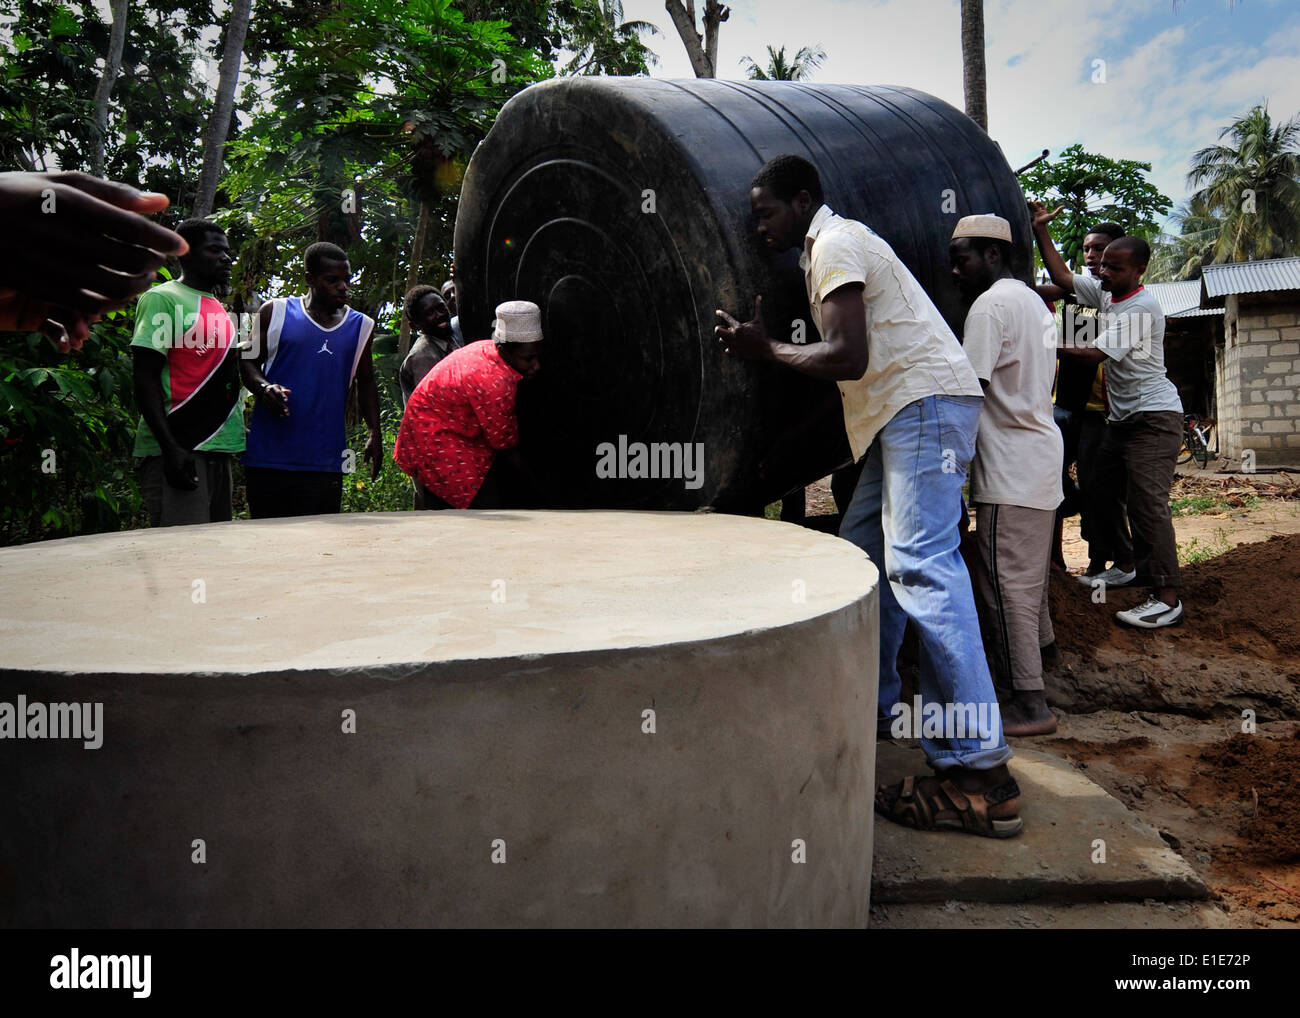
1067,820
1113,915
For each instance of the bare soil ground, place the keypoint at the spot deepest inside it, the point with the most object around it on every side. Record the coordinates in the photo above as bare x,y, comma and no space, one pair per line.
1224,800
1246,508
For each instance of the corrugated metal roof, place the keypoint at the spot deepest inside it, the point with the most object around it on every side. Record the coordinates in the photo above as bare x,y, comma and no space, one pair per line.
1176,297
1196,313
1250,277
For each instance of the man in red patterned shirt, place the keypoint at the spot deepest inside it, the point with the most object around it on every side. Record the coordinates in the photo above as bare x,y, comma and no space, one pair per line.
463,413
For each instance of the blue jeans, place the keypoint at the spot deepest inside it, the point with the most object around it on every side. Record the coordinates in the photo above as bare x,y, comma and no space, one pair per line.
904,514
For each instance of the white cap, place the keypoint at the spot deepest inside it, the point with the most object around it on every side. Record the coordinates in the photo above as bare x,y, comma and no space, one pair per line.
990,226
518,321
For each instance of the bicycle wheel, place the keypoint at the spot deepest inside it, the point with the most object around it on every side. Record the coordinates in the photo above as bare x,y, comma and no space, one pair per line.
1197,449
1185,453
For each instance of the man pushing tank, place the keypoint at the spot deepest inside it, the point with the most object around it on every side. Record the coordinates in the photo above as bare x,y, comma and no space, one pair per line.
911,404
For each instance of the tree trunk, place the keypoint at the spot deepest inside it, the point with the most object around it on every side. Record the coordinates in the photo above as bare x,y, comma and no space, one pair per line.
701,50
214,137
112,68
714,14
412,274
972,61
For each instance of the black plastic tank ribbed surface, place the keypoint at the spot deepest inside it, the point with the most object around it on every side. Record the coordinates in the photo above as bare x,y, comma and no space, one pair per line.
621,207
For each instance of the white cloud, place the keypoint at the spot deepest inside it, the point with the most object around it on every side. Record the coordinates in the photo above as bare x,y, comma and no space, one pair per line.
1169,88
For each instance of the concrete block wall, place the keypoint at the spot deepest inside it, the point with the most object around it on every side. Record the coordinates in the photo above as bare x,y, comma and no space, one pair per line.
1228,377
1259,402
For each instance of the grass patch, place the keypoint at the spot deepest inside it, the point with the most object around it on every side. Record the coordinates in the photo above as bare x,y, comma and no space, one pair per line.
391,491
1196,550
1200,505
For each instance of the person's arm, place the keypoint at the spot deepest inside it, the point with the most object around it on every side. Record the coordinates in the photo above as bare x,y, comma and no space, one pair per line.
276,397
406,380
494,407
1052,261
146,375
368,402
982,340
1051,292
841,356
1086,354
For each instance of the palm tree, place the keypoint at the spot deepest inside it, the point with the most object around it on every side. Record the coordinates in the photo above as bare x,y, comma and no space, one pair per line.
807,60
974,82
606,44
1252,184
1182,254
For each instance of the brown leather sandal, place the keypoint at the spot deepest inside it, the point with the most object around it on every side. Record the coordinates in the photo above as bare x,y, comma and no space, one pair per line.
936,804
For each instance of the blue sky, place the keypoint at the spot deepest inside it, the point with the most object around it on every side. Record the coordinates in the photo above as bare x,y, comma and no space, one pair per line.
1173,79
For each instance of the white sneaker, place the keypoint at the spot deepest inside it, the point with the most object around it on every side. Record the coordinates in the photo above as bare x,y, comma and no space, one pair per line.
1152,614
1112,577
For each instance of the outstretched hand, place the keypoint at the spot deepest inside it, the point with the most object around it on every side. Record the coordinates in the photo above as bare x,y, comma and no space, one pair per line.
1039,216
748,340
76,248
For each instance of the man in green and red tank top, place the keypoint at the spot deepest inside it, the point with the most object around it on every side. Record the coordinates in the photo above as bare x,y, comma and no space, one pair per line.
186,372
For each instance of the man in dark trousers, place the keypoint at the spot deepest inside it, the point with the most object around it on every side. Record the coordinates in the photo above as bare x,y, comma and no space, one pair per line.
1145,424
1081,414
305,356
186,377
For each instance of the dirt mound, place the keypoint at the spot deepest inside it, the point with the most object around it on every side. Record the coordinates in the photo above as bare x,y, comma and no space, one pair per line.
1238,649
1081,625
1252,588
1233,600
1265,774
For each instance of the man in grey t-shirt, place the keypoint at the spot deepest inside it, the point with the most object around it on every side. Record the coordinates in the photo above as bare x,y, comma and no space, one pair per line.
1145,426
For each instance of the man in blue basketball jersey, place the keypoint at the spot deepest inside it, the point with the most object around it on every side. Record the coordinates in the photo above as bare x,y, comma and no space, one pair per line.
305,355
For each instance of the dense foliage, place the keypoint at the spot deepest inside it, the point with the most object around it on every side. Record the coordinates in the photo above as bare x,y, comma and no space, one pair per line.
350,118
1094,188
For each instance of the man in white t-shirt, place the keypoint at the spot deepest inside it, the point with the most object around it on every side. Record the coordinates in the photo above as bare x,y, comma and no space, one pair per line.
1015,485
911,410
1145,425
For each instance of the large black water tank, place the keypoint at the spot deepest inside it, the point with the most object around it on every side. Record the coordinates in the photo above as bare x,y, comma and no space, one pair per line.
621,207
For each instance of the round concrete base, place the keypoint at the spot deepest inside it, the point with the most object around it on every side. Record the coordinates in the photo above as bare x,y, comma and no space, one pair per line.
439,719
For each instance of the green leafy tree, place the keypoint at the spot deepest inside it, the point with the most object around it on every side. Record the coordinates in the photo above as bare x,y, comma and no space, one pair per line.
67,425
376,114
807,60
1250,181
1094,188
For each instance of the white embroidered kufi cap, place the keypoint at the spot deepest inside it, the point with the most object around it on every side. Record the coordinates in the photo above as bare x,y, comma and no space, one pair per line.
518,321
990,226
